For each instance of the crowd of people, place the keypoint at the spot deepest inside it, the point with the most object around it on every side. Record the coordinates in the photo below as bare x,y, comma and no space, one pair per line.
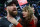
29,16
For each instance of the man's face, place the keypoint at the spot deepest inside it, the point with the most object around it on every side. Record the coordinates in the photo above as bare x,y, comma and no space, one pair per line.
12,10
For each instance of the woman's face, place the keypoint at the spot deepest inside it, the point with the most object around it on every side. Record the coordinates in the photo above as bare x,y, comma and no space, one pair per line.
25,13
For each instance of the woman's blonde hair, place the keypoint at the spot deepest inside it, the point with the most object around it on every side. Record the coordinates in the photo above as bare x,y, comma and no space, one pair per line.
30,13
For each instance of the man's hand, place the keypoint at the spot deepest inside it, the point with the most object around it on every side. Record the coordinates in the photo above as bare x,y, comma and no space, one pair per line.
12,20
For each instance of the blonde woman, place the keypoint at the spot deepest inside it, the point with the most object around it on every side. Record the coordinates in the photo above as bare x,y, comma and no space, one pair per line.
29,18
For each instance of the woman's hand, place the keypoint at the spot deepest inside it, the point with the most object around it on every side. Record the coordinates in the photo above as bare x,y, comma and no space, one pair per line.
12,20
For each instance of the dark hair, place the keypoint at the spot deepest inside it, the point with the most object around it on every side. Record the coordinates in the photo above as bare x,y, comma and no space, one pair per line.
13,2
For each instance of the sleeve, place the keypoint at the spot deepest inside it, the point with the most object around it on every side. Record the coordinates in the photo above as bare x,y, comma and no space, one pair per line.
19,25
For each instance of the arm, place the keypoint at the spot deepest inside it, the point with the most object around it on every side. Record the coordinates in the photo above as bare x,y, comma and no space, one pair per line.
13,21
19,25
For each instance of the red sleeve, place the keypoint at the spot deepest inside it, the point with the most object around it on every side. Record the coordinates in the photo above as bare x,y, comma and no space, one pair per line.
19,25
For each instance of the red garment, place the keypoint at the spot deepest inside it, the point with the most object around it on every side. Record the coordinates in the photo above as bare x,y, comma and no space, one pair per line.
19,25
31,24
